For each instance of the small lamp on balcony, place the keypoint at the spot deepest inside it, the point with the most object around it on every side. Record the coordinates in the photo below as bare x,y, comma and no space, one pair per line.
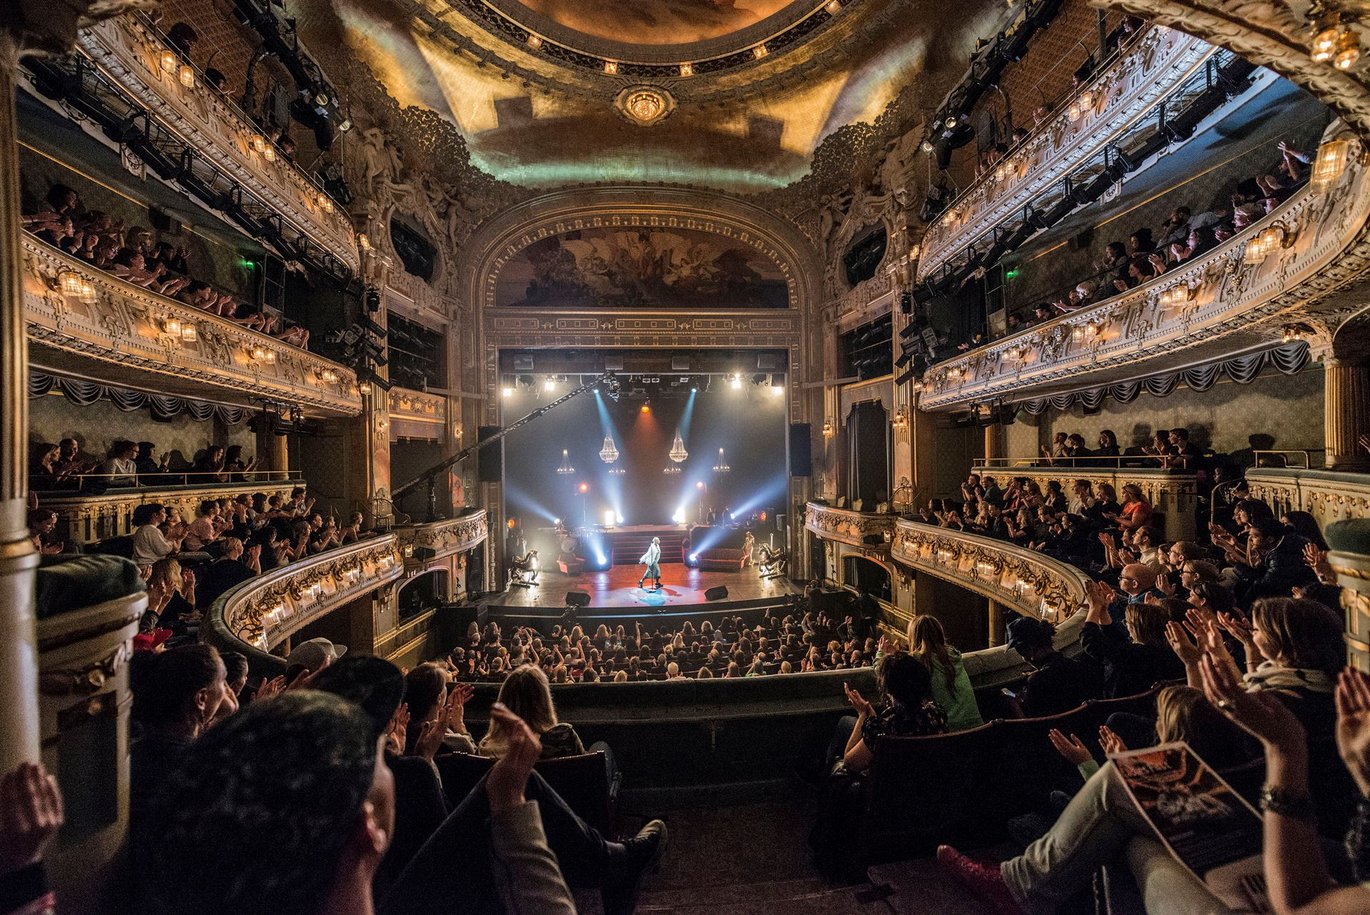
70,282
188,333
1329,164
172,328
186,74
169,61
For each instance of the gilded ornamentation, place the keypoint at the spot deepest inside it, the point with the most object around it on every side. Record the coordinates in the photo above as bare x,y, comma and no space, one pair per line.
85,681
850,527
445,538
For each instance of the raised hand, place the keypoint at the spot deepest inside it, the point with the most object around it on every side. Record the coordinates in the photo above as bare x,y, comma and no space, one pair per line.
1182,644
1110,742
1165,585
397,736
506,781
1353,725
1070,747
429,742
458,694
30,815
1260,713
1239,628
858,702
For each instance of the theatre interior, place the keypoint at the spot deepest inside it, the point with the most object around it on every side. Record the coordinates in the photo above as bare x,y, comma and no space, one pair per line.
414,410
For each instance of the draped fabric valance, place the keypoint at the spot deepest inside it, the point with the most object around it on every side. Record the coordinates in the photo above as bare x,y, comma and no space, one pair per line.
83,393
1286,359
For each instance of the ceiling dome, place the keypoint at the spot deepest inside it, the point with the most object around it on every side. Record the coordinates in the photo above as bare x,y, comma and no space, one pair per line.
652,22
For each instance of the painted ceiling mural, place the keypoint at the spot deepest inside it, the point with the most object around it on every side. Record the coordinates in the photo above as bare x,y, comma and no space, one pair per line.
640,268
656,21
530,120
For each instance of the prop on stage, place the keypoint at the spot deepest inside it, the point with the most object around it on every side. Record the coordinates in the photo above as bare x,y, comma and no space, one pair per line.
772,563
523,570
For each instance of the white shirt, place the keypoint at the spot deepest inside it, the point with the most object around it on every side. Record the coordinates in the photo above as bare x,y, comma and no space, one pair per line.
150,545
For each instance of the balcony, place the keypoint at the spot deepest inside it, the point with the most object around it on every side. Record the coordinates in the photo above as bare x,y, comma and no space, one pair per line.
1239,299
86,517
417,415
263,612
90,323
1116,110
1030,583
1327,495
867,530
132,57
426,544
1171,493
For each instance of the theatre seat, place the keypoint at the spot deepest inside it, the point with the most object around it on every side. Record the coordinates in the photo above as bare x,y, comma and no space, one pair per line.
582,781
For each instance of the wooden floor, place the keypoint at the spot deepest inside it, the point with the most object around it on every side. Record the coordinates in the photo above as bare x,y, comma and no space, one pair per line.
681,587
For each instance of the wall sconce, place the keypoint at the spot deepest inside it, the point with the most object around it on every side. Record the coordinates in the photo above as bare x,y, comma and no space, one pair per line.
1175,295
188,333
328,376
917,385
258,143
901,418
1077,333
363,242
1329,164
1334,40
87,291
1074,112
956,373
1095,328
1293,333
269,154
409,551
364,388
186,74
70,282
172,327
169,61
1087,100
1264,244
828,430
914,252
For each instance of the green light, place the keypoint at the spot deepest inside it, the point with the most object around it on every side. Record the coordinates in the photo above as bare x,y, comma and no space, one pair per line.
247,263
1012,274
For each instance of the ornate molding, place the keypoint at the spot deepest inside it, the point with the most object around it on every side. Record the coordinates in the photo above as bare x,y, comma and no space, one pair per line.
417,407
444,538
1219,298
1156,66
1031,583
1158,486
262,612
89,517
841,525
1326,495
130,54
114,323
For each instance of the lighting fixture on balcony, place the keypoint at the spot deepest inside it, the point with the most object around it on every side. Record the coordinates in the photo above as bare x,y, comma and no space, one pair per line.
833,7
1348,50
186,74
169,61
611,67
1175,295
1329,164
1077,333
1326,38
687,69
1293,333
328,376
364,388
760,51
914,251
550,384
1095,328
87,291
1087,100
1074,111
609,453
363,241
828,430
565,469
678,454
257,353
735,381
172,328
1023,352
70,283
188,333
722,465
901,418
269,154
258,143
534,42
917,385
1000,172
926,146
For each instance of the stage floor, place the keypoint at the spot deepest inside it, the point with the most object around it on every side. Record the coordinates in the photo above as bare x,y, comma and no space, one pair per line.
617,588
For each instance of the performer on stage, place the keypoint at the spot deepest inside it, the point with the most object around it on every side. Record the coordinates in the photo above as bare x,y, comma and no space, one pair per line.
652,560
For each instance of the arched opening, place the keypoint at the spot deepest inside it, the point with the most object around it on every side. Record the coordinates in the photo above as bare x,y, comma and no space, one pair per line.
867,576
422,593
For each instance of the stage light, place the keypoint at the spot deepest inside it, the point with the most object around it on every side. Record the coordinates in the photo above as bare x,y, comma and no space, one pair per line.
619,517
777,390
699,485
550,384
645,409
694,557
583,488
735,382
609,517
679,516
556,521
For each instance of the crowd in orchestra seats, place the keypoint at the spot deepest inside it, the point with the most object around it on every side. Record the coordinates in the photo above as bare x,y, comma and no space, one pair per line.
135,255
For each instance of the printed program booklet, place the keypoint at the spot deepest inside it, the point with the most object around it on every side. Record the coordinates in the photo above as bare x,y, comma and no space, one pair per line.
1207,826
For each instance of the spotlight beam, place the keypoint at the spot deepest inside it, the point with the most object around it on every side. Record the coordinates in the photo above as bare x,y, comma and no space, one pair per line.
431,475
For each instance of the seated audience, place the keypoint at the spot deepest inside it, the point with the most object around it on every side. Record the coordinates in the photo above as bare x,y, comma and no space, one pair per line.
1057,683
951,688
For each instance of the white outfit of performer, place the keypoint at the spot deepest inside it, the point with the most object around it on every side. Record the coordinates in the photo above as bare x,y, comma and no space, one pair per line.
652,560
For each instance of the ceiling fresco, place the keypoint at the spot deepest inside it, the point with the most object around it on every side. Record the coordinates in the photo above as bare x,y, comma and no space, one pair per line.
538,123
656,21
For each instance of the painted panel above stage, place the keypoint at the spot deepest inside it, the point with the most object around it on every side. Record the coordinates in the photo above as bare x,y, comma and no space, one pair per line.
662,263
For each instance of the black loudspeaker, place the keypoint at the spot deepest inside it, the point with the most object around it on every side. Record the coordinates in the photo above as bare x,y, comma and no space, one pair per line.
577,599
490,459
423,553
716,593
801,455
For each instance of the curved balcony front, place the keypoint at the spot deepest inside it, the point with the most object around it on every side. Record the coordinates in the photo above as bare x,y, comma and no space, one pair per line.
1030,583
1234,300
89,323
870,531
1327,495
263,612
425,545
132,55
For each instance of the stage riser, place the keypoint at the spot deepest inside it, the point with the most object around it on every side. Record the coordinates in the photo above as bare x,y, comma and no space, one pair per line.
627,547
543,618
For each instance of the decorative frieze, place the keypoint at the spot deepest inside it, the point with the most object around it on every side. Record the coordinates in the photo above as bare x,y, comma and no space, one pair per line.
1327,495
443,538
89,321
868,530
1031,583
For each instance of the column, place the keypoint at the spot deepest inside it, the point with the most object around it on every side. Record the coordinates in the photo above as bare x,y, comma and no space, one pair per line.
994,449
1350,559
995,620
18,652
273,453
1346,412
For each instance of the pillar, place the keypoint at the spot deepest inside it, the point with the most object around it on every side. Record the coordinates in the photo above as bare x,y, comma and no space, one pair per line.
273,453
18,652
994,449
995,620
1350,559
1346,413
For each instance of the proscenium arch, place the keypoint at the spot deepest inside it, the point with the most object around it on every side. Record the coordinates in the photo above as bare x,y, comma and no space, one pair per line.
508,233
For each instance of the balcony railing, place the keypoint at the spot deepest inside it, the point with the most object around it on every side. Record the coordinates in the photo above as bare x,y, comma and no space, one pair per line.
86,321
425,544
135,58
416,414
1231,300
1156,68
263,612
1325,494
86,517
1031,583
869,530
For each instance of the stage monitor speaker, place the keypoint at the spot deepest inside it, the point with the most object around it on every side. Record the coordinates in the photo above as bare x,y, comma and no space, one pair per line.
716,593
577,599
490,459
424,553
801,455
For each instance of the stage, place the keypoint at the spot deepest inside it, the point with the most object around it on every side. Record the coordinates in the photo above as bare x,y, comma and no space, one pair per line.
614,594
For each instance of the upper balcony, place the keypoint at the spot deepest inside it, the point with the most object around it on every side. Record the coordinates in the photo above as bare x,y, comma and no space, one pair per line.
1287,273
1107,128
191,134
86,322
1327,495
867,530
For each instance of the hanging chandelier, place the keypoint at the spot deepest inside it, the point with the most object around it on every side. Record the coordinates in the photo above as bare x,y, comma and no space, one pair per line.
722,465
678,452
565,467
609,453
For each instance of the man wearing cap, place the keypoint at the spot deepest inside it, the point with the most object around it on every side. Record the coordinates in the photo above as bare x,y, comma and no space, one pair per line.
315,654
1058,684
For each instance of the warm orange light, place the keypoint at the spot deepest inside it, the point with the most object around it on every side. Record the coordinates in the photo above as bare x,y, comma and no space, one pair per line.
646,409
510,523
584,488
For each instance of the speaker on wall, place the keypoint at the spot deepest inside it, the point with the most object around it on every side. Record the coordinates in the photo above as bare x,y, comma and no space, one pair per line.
577,599
801,455
716,593
490,459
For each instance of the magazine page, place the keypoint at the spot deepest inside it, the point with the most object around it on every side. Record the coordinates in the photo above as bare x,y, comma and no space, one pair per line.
1207,826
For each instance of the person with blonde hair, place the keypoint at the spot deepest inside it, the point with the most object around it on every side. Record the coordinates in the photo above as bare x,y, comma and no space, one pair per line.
951,687
527,694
